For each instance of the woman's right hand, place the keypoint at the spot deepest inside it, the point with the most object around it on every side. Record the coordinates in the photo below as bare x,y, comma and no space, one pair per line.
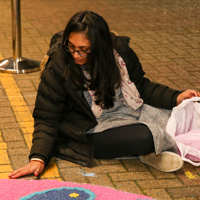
34,167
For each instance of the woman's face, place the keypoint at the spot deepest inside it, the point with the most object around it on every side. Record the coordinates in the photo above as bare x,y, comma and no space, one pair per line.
79,42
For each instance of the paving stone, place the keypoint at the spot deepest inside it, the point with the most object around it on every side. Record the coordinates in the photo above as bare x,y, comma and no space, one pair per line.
2,93
4,157
197,170
28,138
4,175
4,102
20,77
158,194
51,171
105,169
134,165
189,176
6,112
3,145
24,83
73,175
150,184
16,144
23,116
1,139
12,134
27,89
19,161
128,186
162,175
185,198
188,165
4,120
18,151
99,179
5,168
28,130
65,164
131,176
184,192
30,99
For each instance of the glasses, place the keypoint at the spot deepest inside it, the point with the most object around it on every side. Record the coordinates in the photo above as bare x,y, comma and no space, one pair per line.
70,49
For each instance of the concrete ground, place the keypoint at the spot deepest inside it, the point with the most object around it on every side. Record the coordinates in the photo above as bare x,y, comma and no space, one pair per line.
166,37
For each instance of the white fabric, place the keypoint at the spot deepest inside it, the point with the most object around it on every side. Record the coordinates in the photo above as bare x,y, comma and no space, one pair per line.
96,109
37,159
128,88
184,127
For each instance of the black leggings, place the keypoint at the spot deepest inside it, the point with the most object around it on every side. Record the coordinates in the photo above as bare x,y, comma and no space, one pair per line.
122,141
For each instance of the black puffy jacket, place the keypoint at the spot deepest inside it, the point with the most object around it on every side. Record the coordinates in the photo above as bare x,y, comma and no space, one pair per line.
62,115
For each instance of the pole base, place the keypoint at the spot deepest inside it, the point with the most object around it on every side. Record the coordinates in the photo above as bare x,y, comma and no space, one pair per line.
19,66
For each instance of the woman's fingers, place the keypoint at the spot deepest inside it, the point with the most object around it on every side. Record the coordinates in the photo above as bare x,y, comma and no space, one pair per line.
19,172
187,95
39,170
193,93
198,94
33,167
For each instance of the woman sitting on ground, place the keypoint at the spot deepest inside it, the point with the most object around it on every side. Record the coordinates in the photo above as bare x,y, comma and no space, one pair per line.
93,101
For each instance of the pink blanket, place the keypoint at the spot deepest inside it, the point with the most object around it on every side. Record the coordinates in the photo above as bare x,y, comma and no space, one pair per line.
50,189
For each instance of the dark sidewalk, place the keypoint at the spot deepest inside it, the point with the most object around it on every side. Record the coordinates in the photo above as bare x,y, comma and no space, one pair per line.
166,37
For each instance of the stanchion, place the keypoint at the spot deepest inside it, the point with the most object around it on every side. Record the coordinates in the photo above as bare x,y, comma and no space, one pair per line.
17,64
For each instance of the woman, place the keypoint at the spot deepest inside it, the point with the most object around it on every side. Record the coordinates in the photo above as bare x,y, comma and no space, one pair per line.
93,101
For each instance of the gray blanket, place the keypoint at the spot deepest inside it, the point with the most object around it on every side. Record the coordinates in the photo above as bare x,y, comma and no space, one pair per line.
155,118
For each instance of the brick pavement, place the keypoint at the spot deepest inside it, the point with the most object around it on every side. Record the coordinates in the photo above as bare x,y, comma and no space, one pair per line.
166,37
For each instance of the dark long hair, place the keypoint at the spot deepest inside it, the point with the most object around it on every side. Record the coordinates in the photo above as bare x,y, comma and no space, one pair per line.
101,64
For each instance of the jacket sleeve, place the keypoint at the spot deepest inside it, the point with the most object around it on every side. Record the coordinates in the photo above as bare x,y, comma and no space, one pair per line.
47,114
152,93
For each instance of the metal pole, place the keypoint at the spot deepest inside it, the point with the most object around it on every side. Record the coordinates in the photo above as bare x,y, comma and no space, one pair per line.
16,29
17,64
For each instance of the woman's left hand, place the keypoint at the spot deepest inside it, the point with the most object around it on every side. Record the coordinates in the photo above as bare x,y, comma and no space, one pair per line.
187,95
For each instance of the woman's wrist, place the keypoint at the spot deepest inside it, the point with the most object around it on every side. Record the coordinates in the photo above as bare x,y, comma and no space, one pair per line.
37,159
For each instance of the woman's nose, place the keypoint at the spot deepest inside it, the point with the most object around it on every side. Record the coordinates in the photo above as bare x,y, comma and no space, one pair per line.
76,55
